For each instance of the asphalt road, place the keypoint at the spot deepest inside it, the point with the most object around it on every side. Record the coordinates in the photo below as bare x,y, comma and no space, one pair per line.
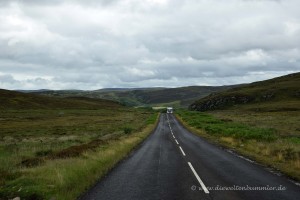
173,163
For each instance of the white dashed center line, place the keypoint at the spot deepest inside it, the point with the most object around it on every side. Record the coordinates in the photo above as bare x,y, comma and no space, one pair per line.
198,178
182,151
190,164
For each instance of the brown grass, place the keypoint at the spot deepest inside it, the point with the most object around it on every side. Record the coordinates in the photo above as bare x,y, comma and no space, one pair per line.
32,140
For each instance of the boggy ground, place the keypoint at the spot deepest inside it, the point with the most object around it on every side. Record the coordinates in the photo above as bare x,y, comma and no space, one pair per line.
58,153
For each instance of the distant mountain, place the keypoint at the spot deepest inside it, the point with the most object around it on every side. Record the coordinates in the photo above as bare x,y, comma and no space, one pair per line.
282,93
32,91
126,89
18,100
178,97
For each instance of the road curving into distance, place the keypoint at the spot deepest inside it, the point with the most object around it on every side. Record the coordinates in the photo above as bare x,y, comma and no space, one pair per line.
173,163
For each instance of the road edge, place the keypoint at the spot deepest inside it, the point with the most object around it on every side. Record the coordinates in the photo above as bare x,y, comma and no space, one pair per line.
207,138
137,146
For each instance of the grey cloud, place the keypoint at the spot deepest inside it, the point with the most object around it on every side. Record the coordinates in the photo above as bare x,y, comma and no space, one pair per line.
58,2
7,78
90,44
10,81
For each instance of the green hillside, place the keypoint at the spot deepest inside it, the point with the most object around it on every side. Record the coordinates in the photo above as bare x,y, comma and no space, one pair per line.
181,94
18,100
180,97
282,93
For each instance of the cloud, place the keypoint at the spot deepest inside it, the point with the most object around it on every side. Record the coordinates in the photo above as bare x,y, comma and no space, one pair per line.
131,43
6,78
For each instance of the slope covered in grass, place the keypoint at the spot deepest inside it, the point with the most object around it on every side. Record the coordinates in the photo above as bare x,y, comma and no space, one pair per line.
282,93
18,100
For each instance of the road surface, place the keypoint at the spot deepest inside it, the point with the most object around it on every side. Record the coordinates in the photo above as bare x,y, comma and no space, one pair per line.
173,163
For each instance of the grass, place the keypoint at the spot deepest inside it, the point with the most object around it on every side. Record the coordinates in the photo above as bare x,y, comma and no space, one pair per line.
281,93
152,119
60,153
175,104
67,178
271,115
265,144
218,127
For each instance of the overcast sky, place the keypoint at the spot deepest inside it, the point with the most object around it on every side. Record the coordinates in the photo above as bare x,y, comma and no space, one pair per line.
92,44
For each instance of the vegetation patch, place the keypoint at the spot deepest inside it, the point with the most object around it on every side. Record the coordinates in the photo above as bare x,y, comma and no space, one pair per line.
32,162
220,127
127,130
77,150
152,119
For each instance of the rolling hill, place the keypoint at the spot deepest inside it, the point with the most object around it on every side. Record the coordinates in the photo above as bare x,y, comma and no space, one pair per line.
282,93
178,97
17,100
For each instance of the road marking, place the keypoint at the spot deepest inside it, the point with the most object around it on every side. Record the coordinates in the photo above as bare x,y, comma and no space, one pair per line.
182,151
198,178
174,136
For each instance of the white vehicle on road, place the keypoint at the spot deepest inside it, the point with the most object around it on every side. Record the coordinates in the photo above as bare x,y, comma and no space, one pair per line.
169,110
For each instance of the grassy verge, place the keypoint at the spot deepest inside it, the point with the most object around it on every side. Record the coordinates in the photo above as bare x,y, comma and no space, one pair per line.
284,117
48,154
264,145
